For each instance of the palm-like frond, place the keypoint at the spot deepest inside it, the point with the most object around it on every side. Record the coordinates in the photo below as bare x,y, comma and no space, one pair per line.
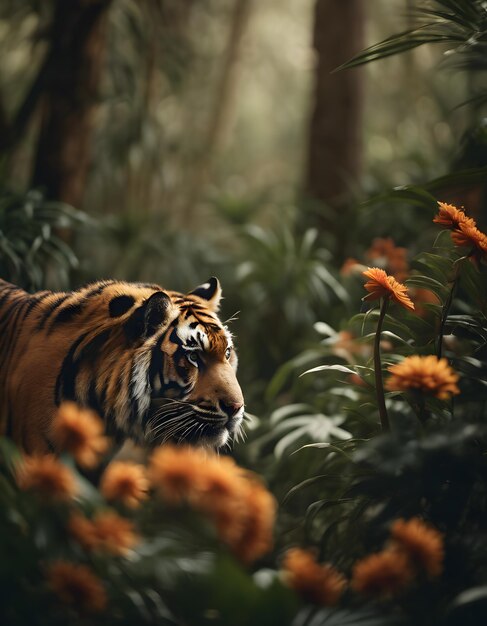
463,25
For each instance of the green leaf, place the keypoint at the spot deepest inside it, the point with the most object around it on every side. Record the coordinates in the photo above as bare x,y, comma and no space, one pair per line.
335,368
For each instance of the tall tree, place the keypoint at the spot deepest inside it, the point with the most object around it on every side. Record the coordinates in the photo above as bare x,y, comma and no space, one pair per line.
334,147
70,80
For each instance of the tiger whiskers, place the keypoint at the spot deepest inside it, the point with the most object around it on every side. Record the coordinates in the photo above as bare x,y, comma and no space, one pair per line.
232,318
169,427
180,420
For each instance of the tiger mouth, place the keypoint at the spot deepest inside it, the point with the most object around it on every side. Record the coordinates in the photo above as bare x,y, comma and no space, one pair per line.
180,422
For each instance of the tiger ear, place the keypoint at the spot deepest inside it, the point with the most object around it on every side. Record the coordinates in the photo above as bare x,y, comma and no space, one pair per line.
148,317
209,291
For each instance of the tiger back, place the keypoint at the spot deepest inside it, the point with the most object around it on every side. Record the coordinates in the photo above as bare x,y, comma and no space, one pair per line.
157,365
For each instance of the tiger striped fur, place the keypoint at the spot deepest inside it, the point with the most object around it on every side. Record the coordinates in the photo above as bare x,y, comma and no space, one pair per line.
157,365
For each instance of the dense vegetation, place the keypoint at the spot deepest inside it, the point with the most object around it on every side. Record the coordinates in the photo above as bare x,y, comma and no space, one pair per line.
367,405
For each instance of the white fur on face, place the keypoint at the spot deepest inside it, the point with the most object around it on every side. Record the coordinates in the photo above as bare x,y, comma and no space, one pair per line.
140,378
193,338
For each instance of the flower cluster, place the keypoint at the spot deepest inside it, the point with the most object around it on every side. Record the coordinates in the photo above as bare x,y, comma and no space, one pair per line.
464,231
415,549
426,374
315,583
241,508
108,532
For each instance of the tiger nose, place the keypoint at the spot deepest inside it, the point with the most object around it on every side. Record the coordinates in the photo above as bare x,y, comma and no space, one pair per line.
231,408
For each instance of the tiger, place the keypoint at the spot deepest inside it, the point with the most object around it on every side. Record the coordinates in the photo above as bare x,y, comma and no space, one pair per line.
157,365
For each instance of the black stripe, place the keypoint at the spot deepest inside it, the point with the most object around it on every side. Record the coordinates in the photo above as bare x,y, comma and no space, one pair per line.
66,380
51,308
120,305
98,288
173,385
66,314
8,290
157,358
8,305
36,299
13,334
93,400
175,338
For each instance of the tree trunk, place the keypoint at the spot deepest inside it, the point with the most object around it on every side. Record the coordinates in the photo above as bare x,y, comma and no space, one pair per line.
70,90
334,147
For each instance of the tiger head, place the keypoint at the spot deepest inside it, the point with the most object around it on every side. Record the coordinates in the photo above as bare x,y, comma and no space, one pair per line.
185,381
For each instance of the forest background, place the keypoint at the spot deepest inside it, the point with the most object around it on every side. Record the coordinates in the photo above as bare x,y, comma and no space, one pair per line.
168,141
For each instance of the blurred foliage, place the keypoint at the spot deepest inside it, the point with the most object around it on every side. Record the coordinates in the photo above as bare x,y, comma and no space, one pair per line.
33,253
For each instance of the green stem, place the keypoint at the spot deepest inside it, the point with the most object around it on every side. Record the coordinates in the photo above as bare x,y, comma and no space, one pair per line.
446,307
421,411
379,384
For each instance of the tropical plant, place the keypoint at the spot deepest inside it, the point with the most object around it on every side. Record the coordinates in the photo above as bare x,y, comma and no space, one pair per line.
460,25
33,251
424,379
288,279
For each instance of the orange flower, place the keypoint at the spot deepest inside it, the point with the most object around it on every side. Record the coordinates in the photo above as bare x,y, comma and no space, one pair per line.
319,584
79,432
464,230
83,531
46,476
424,373
77,586
351,266
221,496
421,543
242,510
451,217
382,574
256,537
176,472
107,532
116,534
468,235
125,482
381,285
393,258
